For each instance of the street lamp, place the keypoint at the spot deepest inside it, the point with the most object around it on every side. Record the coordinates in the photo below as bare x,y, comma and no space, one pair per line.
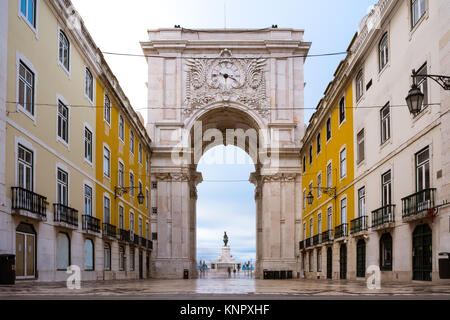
328,191
415,97
310,198
119,191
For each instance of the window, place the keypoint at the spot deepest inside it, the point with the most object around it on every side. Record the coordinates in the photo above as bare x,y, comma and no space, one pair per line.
132,222
421,81
106,210
360,142
107,110
329,218
344,211
132,259
25,168
304,164
121,128
362,202
107,257
131,141
386,252
328,129
28,9
423,170
343,163
62,187
147,230
310,154
154,185
342,110
88,255
121,174
383,51
386,188
310,261
121,225
121,258
359,85
318,143
89,85
140,152
154,210
155,236
147,162
304,231
140,226
87,200
146,198
131,185
64,50
329,176
87,144
26,88
319,260
418,8
63,122
304,199
385,116
62,251
311,226
319,223
106,162
319,186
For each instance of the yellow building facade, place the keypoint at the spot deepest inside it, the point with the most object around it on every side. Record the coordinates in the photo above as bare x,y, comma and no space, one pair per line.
327,183
63,203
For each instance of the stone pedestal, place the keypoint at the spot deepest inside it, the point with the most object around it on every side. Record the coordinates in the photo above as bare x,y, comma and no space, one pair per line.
225,261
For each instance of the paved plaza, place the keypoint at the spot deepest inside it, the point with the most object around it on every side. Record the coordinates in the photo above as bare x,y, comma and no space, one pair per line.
239,287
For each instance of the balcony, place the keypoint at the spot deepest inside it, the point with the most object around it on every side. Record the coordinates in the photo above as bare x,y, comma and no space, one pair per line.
65,216
143,242
301,245
340,231
317,239
124,235
416,206
150,244
383,217
308,242
29,204
109,231
90,224
327,236
136,240
358,225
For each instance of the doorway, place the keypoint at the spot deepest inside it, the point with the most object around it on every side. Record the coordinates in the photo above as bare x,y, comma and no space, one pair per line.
141,273
361,259
422,253
343,262
329,263
25,252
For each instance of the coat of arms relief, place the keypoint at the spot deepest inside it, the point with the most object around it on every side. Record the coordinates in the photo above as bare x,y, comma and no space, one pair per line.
225,79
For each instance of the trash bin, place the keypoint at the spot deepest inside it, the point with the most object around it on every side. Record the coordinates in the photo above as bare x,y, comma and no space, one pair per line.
7,269
186,274
444,266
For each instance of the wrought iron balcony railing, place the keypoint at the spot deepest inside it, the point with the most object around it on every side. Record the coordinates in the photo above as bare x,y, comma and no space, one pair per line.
109,230
136,240
383,215
124,235
340,231
65,214
23,199
90,223
308,242
150,244
143,242
418,202
358,224
327,236
317,239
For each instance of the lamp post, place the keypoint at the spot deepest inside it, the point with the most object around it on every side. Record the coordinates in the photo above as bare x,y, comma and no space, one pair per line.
415,97
329,191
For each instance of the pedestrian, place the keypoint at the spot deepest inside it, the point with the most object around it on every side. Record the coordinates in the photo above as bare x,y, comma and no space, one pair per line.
229,272
234,273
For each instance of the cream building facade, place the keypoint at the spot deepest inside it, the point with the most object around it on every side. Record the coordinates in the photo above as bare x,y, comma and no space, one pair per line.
58,199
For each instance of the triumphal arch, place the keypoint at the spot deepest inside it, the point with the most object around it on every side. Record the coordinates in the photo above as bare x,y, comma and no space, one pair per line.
225,86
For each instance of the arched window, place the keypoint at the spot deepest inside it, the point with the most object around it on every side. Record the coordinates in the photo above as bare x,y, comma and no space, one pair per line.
62,251
359,85
383,51
107,257
64,50
386,252
88,255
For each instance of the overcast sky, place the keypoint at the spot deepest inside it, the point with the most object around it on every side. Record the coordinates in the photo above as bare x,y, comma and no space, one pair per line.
118,26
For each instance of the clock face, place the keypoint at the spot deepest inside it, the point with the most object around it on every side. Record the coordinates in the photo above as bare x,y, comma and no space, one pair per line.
226,75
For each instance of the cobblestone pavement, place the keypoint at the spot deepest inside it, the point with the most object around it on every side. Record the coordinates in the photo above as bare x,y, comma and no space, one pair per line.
223,287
